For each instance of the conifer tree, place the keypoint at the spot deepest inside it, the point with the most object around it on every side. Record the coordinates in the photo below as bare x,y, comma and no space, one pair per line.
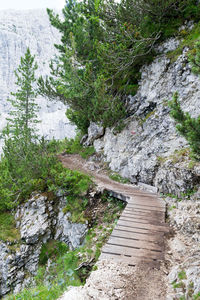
20,133
194,58
23,116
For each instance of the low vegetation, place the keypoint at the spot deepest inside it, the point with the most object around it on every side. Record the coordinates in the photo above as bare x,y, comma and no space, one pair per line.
188,39
8,230
117,177
73,146
186,125
188,292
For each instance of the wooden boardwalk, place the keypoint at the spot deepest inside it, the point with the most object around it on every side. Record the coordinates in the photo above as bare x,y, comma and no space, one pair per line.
139,233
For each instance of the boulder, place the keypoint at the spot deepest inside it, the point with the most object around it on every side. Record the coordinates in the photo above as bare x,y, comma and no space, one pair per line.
95,131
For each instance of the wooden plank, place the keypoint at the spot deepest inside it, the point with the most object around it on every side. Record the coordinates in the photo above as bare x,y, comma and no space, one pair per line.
138,230
148,218
147,202
147,205
140,212
144,208
158,214
132,261
141,221
143,226
133,243
133,194
134,219
138,236
141,216
114,249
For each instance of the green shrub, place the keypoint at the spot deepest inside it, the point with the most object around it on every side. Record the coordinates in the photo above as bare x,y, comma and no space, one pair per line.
73,146
52,250
118,178
187,126
8,230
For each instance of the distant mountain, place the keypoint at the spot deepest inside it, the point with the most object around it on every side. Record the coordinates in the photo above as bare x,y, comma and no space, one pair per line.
19,30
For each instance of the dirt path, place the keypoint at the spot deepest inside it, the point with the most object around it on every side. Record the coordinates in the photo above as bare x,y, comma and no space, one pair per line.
136,247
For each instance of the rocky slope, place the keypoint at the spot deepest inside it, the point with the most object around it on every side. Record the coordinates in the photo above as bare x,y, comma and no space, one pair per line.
39,220
148,148
19,30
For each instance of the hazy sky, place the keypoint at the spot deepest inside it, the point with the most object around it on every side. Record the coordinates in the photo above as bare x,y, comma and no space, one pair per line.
31,4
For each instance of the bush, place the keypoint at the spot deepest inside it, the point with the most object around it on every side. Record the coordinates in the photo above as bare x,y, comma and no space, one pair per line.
187,126
41,171
73,146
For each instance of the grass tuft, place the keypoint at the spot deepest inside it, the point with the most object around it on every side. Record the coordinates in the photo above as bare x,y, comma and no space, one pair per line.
8,230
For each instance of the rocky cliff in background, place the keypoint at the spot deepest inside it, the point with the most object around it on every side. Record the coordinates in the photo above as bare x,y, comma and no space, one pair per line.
149,150
19,30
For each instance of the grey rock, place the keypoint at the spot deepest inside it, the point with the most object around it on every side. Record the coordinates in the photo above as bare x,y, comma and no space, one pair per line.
95,131
71,233
167,46
39,220
175,178
83,139
35,223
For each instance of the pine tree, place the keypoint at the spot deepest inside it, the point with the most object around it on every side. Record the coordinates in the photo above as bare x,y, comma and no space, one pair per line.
194,58
23,117
20,134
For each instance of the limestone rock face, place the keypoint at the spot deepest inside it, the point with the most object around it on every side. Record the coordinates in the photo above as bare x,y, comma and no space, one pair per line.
176,178
39,220
19,30
150,135
35,219
68,232
94,132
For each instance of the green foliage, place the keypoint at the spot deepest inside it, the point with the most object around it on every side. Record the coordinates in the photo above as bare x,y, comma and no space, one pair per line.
73,146
23,117
197,296
116,177
76,79
189,41
41,172
76,206
182,275
103,45
8,231
51,250
71,183
194,58
187,126
21,175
